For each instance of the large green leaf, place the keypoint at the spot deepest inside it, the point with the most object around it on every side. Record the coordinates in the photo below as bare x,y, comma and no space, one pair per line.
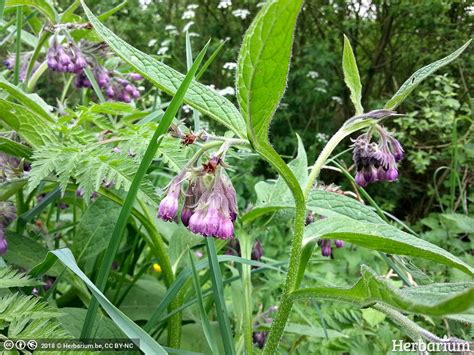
421,74
384,238
32,101
43,6
264,63
33,129
434,300
351,76
146,343
167,79
93,231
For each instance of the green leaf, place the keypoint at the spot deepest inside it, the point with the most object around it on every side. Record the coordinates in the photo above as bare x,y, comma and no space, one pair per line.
384,238
146,343
372,316
74,318
33,129
14,148
93,231
167,79
10,277
26,253
351,76
306,330
11,187
142,298
43,6
17,306
421,74
433,300
462,223
274,196
263,65
32,101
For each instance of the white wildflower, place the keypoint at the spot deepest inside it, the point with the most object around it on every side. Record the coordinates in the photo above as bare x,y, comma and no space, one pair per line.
224,4
312,74
230,65
227,91
242,13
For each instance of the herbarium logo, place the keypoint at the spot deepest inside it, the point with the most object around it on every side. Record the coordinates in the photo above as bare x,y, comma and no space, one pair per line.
445,345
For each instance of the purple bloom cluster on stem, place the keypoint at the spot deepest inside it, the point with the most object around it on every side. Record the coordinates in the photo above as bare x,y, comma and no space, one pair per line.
74,58
325,244
210,204
25,57
376,161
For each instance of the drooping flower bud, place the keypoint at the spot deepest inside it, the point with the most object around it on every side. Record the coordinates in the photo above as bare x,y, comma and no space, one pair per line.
135,76
168,208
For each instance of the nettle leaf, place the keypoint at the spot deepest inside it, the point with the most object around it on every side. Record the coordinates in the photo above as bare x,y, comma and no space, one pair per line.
198,96
351,76
421,74
264,64
384,238
43,6
32,128
433,300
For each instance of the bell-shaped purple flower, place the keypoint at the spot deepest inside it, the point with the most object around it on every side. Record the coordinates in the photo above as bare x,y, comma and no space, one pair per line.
257,251
135,76
169,205
325,244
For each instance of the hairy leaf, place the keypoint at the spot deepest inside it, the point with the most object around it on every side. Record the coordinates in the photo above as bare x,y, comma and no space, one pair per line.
384,238
32,101
93,231
43,6
351,76
264,63
421,74
198,96
434,300
33,129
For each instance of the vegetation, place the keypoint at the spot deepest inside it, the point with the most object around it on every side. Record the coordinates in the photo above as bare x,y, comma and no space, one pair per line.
237,177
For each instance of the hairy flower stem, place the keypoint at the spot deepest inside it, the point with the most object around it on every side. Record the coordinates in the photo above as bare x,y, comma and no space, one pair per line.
323,157
284,309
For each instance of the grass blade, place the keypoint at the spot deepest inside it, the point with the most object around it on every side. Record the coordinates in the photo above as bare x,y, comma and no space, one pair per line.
219,300
162,128
204,318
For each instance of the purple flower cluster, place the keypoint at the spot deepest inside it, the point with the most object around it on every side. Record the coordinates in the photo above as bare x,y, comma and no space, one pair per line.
325,245
210,207
72,58
376,161
7,215
9,63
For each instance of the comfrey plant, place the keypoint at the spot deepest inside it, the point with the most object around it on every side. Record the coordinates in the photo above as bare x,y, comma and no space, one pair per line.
90,152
